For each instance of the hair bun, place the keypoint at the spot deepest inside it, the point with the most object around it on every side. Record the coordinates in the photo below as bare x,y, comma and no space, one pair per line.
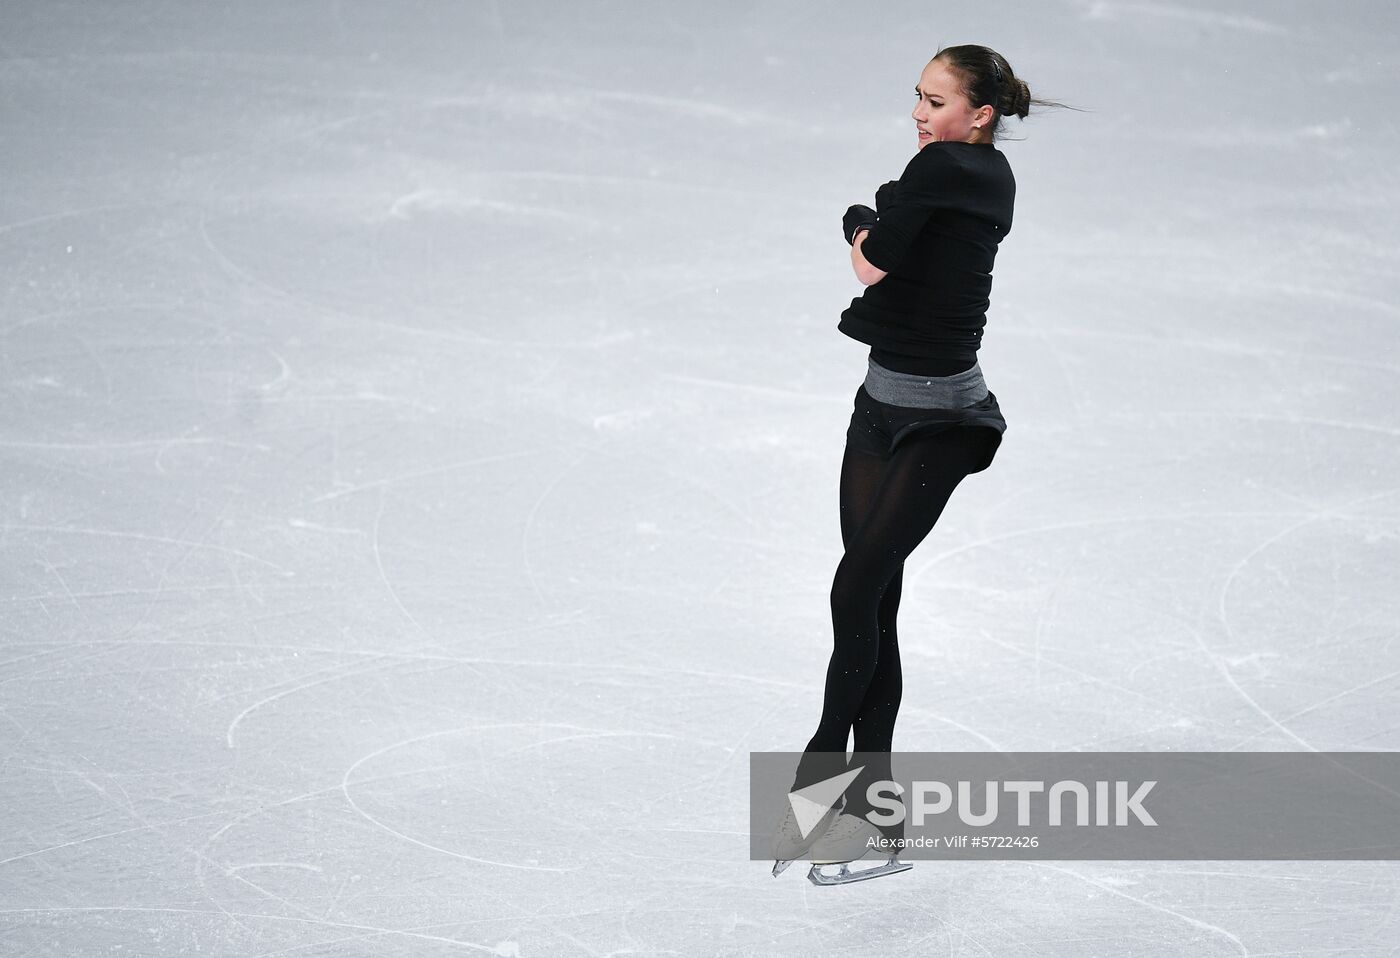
985,77
1021,99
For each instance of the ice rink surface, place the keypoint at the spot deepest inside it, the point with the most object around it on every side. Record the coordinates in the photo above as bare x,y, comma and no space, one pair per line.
421,431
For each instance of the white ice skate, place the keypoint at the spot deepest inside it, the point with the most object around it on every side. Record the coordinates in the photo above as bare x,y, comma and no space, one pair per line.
789,842
850,838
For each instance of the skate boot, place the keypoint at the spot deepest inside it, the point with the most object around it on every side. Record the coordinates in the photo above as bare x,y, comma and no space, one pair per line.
788,841
817,792
849,839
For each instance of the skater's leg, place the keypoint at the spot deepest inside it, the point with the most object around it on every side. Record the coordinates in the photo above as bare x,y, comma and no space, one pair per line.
874,722
912,491
861,474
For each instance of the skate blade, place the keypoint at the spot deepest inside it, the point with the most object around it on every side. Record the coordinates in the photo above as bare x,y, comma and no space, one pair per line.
780,866
845,876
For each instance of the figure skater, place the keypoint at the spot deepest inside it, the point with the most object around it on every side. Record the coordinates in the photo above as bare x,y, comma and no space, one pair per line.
922,421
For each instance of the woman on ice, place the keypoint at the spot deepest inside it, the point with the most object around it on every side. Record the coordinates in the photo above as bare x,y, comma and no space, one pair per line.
923,419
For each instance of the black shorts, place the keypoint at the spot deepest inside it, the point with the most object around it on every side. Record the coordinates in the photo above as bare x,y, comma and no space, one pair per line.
877,428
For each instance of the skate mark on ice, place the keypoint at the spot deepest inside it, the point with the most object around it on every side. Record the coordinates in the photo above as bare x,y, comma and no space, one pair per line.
1140,12
1223,615
345,783
232,872
234,916
188,544
1104,886
419,474
233,726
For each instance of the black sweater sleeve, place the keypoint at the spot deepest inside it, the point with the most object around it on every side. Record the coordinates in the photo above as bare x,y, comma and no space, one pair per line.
926,184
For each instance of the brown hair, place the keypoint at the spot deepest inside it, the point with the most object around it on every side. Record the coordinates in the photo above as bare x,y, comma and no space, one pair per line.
987,78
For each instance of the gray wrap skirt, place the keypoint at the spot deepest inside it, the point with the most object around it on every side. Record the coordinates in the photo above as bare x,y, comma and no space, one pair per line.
892,406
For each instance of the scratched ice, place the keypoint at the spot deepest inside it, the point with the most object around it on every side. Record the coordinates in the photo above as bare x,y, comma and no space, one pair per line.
420,439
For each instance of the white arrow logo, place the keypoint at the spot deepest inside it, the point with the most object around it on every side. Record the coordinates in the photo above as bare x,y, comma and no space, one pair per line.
811,803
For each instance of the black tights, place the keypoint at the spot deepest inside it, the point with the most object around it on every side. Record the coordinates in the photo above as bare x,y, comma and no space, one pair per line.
887,508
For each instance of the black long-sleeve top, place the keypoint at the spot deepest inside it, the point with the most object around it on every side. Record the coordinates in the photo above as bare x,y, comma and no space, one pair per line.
937,239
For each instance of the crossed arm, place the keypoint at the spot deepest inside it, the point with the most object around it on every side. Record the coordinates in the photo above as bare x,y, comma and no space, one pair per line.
867,274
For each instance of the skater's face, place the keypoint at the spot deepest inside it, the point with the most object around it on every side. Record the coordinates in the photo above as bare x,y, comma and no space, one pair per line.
943,113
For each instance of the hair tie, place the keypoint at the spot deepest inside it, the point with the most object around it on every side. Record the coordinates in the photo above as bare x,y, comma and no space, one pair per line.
996,68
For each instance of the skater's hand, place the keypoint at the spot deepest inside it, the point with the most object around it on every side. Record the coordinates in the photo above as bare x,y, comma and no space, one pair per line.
857,218
883,196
